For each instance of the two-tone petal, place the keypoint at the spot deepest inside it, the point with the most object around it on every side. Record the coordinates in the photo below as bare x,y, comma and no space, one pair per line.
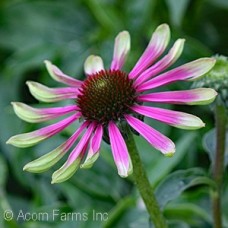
37,115
154,137
121,49
119,151
200,96
72,164
34,137
164,63
46,94
188,71
59,76
174,118
46,161
93,64
67,171
155,48
94,149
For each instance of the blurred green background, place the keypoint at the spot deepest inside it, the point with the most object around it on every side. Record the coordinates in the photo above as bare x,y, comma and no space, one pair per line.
66,32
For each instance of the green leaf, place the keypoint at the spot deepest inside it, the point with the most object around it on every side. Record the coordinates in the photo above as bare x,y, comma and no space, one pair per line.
137,14
177,182
209,144
177,11
3,171
188,212
52,31
220,3
134,217
164,165
4,204
178,224
104,14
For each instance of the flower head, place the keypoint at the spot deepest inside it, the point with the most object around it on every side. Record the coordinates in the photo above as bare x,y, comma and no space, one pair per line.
109,97
217,78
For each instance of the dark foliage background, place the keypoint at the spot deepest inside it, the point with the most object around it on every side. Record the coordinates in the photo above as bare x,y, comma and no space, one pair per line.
66,32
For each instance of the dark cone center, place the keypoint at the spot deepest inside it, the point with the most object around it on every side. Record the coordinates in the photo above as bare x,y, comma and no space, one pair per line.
106,95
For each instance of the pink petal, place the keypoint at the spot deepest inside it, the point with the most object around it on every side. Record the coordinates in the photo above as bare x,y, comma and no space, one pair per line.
93,64
34,137
164,63
69,143
156,47
59,76
188,71
58,110
155,138
68,169
46,94
96,140
119,151
121,49
48,160
36,115
173,118
191,97
57,127
79,148
94,149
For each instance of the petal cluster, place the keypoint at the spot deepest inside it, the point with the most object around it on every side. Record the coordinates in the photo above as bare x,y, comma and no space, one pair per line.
147,74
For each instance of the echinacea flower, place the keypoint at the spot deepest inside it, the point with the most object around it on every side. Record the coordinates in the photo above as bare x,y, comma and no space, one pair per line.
108,97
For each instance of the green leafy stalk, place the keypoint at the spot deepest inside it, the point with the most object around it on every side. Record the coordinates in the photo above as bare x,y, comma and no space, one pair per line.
220,118
143,185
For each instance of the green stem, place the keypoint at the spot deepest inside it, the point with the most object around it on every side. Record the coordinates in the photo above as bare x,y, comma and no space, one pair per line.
220,119
143,185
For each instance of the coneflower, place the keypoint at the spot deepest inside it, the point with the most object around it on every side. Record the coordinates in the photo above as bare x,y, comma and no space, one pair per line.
110,98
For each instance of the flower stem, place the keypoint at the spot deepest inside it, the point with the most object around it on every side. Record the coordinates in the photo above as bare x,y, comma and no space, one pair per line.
220,119
143,184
